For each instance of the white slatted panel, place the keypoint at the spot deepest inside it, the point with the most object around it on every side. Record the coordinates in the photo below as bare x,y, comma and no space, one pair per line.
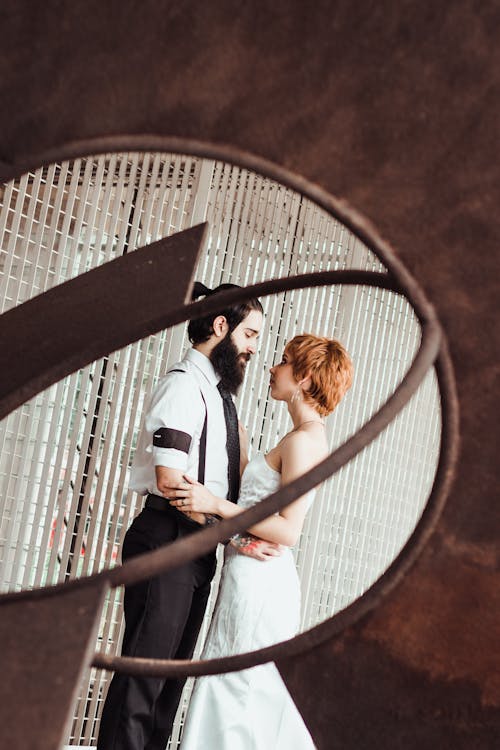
65,455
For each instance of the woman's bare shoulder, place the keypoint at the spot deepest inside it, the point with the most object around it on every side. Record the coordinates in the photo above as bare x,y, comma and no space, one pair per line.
304,440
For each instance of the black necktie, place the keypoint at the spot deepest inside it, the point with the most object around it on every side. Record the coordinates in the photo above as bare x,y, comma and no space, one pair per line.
232,444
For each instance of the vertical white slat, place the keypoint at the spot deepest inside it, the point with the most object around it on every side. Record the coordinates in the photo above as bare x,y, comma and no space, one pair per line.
58,250
219,201
81,478
378,334
208,267
309,551
136,236
128,183
32,515
213,267
120,205
93,469
252,402
7,192
291,312
250,260
13,425
43,479
70,453
24,253
241,260
201,190
180,194
113,363
46,241
69,262
316,542
27,266
243,214
74,492
272,340
23,515
187,200
170,202
252,245
15,219
93,255
90,206
159,190
116,219
149,200
55,465
362,337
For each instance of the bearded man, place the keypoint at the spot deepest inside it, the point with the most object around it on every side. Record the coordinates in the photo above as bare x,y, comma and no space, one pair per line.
188,422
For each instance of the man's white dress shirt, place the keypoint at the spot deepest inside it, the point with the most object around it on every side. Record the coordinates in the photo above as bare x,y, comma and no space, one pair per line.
173,423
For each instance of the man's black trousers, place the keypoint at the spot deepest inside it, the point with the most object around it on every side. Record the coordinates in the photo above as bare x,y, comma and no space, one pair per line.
163,617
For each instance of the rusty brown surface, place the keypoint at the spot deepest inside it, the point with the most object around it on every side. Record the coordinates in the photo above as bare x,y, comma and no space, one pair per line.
98,313
395,108
45,641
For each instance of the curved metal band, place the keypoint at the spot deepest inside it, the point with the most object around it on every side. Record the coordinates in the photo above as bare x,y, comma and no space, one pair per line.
351,614
182,551
190,547
193,546
339,209
399,280
38,367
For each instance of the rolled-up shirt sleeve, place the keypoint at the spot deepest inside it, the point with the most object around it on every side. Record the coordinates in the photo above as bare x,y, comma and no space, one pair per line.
174,419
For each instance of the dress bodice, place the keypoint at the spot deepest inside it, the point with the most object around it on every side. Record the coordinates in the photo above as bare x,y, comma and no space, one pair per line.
260,480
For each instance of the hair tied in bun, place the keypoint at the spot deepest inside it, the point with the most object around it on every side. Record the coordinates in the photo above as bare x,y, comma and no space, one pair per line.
200,290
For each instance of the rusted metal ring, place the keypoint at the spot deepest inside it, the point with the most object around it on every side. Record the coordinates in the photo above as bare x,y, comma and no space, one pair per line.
432,339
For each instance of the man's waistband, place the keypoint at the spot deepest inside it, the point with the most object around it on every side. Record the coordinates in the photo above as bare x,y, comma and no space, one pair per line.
156,502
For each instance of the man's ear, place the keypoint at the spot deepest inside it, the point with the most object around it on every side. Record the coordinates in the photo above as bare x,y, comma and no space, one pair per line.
220,326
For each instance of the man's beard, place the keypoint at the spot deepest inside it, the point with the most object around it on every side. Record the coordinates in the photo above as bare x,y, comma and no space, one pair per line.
229,364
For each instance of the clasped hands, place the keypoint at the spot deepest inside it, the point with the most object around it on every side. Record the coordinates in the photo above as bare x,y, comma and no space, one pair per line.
194,500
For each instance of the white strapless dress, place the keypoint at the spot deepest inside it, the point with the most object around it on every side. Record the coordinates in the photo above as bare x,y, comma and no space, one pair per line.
258,604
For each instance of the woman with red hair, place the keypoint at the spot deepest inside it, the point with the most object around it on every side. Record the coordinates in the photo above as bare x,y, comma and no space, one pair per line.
259,603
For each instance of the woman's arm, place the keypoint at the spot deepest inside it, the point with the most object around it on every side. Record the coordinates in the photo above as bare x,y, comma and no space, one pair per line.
193,497
298,454
243,447
166,480
189,496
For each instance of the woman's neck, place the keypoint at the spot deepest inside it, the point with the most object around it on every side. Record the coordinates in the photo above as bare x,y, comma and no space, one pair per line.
302,413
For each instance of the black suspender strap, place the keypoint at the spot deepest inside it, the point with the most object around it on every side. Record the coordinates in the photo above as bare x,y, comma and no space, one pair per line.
203,440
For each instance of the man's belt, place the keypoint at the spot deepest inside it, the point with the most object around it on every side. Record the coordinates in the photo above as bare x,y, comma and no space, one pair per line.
156,502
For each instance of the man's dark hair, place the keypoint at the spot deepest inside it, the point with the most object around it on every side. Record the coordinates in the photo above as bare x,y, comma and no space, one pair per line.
200,329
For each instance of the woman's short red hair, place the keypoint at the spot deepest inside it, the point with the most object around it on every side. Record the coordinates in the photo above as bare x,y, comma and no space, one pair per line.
328,365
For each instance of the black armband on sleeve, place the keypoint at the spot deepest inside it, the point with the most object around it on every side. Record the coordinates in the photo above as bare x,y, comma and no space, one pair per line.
165,437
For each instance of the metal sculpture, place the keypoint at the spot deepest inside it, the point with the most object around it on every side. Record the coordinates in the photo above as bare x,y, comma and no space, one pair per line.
393,108
162,274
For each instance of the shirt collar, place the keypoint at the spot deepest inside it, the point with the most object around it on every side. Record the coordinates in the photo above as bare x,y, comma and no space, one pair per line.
203,363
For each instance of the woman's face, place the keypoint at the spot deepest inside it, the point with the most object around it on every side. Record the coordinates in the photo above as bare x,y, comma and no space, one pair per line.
282,382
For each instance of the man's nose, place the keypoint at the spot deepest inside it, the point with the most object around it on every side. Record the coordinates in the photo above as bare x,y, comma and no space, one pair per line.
251,348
